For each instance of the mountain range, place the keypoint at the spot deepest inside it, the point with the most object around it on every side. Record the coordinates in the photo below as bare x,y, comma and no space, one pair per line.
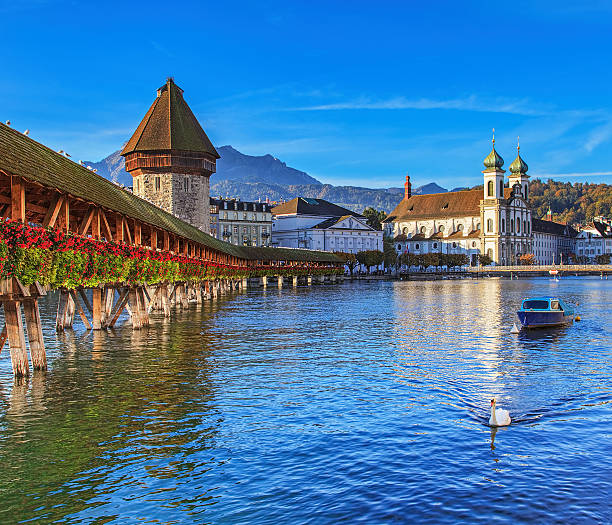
253,178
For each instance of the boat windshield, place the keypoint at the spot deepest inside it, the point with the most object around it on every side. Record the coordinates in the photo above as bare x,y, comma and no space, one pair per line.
554,305
535,304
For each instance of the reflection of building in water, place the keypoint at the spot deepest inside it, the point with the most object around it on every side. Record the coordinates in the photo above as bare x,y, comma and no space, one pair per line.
449,315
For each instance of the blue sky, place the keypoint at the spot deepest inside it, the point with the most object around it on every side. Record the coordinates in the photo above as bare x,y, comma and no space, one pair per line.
356,93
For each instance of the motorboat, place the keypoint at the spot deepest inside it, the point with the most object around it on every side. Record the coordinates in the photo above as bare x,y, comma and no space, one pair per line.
544,312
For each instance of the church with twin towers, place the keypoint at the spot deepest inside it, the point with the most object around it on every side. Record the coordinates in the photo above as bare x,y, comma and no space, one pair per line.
495,220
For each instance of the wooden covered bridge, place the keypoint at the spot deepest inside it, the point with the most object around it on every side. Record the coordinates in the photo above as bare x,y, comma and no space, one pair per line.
64,227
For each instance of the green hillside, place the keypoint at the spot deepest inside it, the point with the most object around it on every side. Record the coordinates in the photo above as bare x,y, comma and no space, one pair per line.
572,203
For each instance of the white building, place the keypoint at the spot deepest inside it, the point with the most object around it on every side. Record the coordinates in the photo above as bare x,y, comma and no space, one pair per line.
317,224
553,243
594,239
239,222
495,220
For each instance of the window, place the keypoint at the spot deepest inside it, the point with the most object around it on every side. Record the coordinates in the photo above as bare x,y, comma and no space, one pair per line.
501,189
423,230
473,244
235,230
489,225
490,189
511,226
435,245
518,225
454,244
524,226
405,231
399,247
525,191
441,228
186,184
157,183
460,227
503,225
416,246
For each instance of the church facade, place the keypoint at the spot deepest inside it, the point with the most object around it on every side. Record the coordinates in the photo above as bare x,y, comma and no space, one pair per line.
494,220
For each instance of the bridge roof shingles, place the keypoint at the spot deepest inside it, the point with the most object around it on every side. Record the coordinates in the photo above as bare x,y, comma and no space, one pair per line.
24,157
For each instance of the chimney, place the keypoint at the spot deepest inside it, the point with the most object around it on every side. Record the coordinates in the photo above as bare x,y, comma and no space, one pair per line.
407,188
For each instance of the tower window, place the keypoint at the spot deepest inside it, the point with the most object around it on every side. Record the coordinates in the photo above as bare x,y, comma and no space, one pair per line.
525,191
503,225
501,188
186,184
157,183
490,189
518,225
489,225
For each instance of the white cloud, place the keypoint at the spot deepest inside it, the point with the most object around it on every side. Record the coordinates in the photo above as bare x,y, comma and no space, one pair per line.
471,103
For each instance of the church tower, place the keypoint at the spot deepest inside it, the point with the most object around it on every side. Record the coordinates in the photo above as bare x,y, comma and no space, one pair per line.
518,173
171,159
492,221
493,175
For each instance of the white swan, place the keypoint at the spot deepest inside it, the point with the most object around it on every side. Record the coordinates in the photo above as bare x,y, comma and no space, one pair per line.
499,417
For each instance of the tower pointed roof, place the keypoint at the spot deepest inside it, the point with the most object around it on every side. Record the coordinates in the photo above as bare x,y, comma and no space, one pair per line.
518,166
493,160
170,125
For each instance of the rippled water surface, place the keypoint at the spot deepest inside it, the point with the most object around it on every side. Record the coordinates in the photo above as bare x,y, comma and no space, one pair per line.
364,402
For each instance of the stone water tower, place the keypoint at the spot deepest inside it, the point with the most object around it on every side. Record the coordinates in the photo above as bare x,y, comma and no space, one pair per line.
171,159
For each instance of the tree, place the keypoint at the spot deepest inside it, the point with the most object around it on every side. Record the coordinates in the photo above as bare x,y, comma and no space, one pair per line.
374,217
527,259
484,259
391,257
604,258
370,258
452,260
350,261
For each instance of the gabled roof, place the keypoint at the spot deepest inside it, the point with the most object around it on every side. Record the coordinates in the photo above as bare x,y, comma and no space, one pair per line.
170,125
329,223
450,204
553,228
307,206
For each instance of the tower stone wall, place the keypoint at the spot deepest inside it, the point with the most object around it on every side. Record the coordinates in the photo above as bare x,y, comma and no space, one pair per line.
182,195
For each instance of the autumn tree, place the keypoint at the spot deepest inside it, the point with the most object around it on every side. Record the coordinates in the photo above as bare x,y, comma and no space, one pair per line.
374,217
350,261
527,259
484,259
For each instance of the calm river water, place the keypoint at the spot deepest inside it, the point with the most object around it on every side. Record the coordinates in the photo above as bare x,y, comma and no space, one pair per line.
364,402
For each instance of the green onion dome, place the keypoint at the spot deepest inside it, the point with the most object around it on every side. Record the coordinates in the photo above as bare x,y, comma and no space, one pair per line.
493,160
519,165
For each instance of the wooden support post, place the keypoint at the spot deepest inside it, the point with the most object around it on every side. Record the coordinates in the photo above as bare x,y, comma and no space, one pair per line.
142,305
35,335
16,337
61,311
96,303
18,204
134,309
109,297
80,310
165,302
184,298
295,280
85,300
280,281
121,302
70,309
